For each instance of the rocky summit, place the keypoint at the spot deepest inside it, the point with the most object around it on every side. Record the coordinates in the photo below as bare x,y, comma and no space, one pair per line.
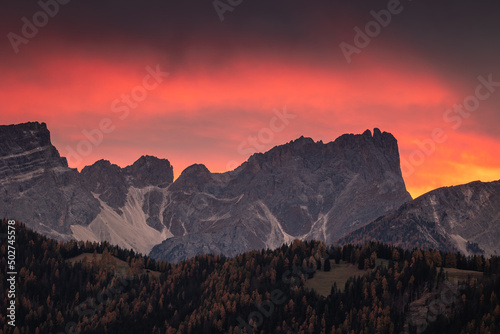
36,184
302,189
103,202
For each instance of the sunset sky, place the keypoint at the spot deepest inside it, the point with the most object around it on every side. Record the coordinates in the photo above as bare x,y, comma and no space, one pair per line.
228,79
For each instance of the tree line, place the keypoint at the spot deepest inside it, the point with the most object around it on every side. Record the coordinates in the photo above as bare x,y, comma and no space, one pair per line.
258,291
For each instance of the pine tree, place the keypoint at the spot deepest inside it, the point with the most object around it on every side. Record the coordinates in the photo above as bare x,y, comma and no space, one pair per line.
326,265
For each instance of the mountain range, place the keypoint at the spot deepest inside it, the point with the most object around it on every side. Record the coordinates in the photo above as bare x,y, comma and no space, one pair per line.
350,189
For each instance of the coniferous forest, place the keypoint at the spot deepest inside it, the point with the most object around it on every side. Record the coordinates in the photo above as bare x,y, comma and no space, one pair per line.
112,290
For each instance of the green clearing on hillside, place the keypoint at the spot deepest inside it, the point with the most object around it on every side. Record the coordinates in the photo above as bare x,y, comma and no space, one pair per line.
120,267
460,275
322,281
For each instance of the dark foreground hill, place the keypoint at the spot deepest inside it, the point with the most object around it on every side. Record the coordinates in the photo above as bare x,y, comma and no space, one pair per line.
59,290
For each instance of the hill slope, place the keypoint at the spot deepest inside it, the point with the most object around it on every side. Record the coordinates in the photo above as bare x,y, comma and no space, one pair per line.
464,218
263,291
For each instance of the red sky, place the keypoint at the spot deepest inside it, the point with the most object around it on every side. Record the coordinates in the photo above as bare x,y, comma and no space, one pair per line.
216,97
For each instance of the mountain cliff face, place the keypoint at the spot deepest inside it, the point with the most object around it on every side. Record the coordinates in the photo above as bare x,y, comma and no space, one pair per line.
111,182
36,184
103,202
464,218
303,189
131,199
331,192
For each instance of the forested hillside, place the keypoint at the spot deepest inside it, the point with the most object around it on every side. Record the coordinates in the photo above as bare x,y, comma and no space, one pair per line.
118,291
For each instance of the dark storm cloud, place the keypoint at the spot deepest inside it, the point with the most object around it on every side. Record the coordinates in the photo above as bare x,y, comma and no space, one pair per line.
458,38
456,34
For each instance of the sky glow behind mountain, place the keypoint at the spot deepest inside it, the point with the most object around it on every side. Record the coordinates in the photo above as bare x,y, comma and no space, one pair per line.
228,80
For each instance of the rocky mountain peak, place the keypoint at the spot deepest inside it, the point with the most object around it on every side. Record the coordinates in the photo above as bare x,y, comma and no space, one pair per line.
107,180
15,139
111,182
26,148
379,139
193,178
302,189
36,184
302,143
149,170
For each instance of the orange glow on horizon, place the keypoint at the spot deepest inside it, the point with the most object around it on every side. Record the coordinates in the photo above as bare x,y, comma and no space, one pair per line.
204,116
